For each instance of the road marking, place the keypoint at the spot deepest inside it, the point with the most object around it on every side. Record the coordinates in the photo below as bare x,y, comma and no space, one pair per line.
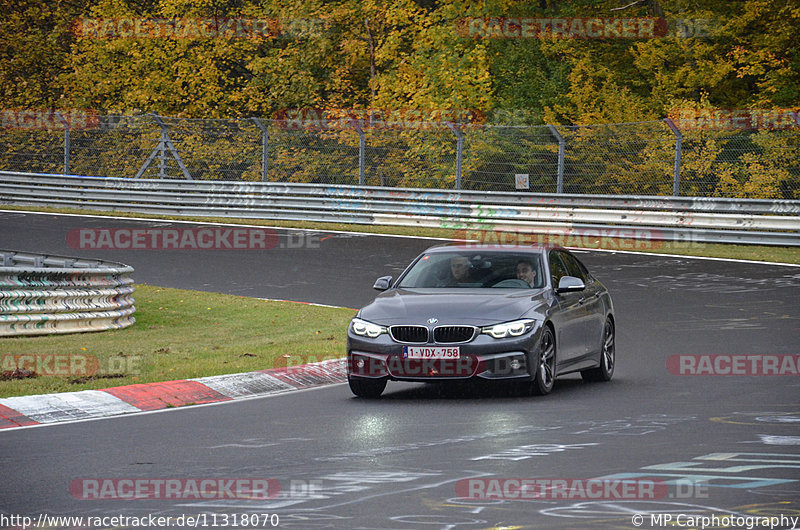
171,409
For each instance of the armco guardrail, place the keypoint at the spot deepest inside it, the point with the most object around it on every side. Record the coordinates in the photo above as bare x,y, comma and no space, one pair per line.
42,294
720,220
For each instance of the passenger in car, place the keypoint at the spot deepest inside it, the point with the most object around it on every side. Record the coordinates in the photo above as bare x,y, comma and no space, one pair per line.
526,272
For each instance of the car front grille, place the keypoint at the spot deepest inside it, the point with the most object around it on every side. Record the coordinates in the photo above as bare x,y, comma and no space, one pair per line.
452,334
414,334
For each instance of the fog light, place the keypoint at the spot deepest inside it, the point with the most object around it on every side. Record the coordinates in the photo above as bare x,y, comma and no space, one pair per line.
360,363
515,364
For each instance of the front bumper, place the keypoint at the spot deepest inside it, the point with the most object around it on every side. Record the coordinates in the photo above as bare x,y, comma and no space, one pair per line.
483,357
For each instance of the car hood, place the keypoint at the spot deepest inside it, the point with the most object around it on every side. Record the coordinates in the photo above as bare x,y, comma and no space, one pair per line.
453,306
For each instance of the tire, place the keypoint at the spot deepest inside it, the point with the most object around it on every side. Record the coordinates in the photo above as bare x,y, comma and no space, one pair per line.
545,375
367,388
608,357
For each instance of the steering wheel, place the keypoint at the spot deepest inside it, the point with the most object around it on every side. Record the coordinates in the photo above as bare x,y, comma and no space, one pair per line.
512,283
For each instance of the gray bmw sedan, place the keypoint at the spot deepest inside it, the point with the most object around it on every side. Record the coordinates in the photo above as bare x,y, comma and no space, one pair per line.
461,312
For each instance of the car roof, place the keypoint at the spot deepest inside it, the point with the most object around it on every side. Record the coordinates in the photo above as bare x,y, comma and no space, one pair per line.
449,247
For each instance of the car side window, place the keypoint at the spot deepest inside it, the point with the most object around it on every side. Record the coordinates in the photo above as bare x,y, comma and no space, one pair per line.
557,269
588,277
574,267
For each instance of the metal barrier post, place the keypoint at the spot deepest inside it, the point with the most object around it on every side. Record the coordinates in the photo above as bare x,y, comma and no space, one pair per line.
67,141
362,150
676,179
264,148
162,155
561,147
459,152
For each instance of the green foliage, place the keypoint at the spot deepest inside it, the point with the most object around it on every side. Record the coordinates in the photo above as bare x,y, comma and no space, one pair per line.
410,54
35,41
357,54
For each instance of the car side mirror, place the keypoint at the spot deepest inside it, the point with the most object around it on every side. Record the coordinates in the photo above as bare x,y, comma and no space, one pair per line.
568,284
382,283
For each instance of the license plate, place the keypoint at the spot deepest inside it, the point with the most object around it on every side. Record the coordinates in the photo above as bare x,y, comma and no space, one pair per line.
423,352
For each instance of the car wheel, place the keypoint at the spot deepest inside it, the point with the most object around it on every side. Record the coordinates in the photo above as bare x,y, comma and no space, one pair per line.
546,367
367,388
605,371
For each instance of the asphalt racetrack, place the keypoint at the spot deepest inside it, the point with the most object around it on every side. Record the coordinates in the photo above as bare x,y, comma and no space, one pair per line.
723,445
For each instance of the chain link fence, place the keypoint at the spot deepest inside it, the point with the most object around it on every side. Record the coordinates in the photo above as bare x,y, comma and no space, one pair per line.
648,158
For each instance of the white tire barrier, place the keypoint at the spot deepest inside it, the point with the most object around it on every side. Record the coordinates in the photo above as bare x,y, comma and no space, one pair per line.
41,295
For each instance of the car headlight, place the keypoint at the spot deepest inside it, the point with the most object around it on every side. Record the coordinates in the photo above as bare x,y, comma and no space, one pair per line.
509,329
366,329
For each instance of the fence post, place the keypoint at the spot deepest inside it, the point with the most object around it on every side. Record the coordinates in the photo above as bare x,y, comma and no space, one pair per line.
264,148
561,148
67,142
362,150
162,152
676,179
459,152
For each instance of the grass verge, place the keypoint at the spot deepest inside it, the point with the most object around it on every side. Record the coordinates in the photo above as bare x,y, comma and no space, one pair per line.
178,334
744,252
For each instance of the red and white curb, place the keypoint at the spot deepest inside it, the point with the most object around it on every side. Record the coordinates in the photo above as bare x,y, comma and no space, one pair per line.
87,404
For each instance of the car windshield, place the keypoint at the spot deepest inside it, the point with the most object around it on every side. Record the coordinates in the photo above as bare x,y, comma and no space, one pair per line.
503,270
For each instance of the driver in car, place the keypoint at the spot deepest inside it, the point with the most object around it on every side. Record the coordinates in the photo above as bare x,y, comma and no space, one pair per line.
460,269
